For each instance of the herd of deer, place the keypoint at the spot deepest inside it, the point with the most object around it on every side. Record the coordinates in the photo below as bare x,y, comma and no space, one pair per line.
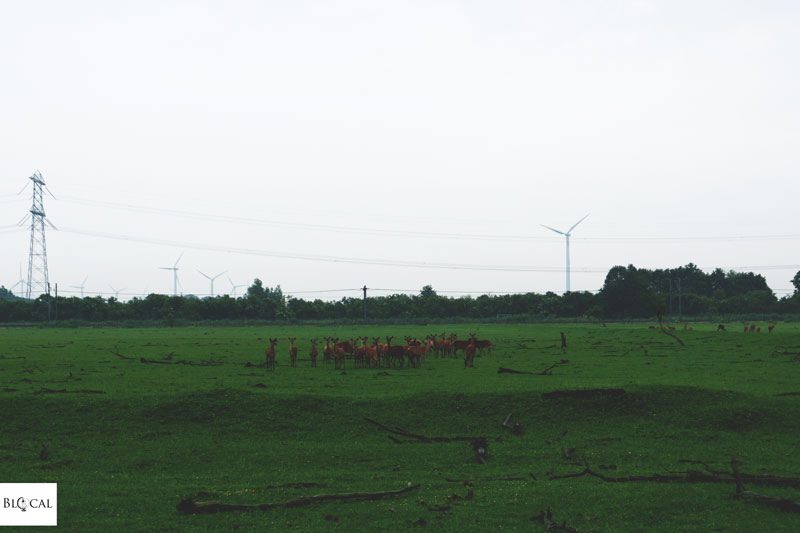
751,328
377,353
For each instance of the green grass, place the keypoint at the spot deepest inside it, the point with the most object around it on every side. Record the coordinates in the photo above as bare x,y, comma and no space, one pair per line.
125,458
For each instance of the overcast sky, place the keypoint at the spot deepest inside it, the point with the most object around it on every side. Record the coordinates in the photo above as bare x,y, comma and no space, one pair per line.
277,139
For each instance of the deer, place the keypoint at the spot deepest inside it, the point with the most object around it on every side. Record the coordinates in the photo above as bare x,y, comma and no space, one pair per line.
395,353
382,351
721,327
292,352
339,354
752,327
327,351
770,328
469,352
313,353
360,353
372,357
270,353
416,354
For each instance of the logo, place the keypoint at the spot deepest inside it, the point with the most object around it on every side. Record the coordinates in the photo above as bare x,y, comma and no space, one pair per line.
28,504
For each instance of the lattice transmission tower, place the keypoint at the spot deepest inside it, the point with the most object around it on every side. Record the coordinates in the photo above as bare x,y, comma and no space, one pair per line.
38,281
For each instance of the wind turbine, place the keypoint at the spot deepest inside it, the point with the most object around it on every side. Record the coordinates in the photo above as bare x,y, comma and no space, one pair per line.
116,292
174,269
234,287
81,286
567,235
212,280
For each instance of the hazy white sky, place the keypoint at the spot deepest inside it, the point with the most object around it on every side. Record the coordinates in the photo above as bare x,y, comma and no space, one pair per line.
260,138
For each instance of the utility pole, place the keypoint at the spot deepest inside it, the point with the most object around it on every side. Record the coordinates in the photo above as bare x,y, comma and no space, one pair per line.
48,302
680,309
56,302
38,282
364,288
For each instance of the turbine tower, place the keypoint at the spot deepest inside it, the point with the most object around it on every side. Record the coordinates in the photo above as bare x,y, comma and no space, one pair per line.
38,281
20,282
234,287
174,269
116,292
212,280
567,235
81,286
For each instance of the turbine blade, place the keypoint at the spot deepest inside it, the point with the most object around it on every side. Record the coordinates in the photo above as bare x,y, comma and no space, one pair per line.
204,275
179,258
578,222
552,229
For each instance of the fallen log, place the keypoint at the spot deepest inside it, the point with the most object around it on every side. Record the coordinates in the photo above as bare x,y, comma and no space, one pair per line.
583,393
545,372
189,506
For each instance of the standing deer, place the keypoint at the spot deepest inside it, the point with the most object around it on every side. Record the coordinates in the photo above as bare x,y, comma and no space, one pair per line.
469,352
292,352
327,351
313,352
416,354
395,353
270,353
339,353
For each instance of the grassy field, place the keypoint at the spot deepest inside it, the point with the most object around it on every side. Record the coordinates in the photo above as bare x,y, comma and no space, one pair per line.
127,440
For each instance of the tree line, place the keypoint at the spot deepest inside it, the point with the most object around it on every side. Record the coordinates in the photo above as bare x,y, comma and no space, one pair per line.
628,292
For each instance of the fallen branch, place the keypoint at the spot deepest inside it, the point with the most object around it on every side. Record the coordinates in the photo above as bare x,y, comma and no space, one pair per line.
484,479
583,393
181,362
545,372
188,506
45,390
122,356
421,438
516,429
756,479
692,476
546,517
784,504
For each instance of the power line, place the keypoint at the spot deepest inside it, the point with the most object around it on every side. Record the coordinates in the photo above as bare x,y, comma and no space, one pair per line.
329,259
195,215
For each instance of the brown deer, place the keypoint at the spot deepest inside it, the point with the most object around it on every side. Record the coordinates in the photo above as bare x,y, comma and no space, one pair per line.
721,327
327,351
770,328
313,352
395,353
752,327
416,354
372,357
469,352
292,352
270,353
339,353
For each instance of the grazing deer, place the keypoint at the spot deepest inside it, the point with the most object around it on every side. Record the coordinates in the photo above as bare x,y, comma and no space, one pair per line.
770,328
758,329
721,327
270,353
313,352
292,352
395,353
752,327
327,351
469,352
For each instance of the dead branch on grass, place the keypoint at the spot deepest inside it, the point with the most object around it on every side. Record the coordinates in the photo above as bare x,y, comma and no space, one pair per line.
545,372
516,429
210,362
120,355
189,506
546,518
665,332
756,479
486,479
583,393
45,390
421,438
784,504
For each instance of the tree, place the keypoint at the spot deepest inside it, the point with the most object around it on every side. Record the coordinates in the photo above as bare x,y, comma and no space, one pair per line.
796,282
